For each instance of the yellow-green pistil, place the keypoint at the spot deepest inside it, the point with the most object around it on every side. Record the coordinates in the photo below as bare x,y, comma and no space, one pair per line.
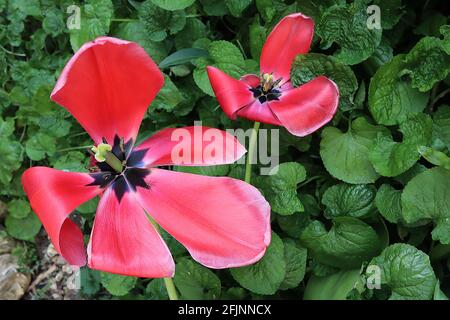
102,153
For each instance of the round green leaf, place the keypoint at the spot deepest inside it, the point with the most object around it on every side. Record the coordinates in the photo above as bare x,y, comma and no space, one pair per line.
427,198
116,284
266,275
23,229
406,271
195,281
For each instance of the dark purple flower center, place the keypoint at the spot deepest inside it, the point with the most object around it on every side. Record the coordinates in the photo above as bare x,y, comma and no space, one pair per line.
133,173
264,96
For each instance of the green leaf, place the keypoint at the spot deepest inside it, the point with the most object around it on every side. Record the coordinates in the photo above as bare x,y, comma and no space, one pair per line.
309,66
441,121
135,31
349,200
159,22
407,272
214,7
168,98
435,157
265,276
196,282
346,25
391,98
347,244
223,55
10,150
89,206
346,155
40,145
18,208
388,202
391,12
95,20
193,30
438,294
295,265
427,63
427,198
236,7
213,171
182,56
431,24
293,224
90,281
156,290
336,286
23,229
74,161
53,22
382,54
173,5
116,284
257,38
391,158
280,189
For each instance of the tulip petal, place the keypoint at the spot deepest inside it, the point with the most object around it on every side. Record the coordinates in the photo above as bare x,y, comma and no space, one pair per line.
195,145
290,37
53,195
260,112
107,86
123,240
231,94
307,108
251,79
223,222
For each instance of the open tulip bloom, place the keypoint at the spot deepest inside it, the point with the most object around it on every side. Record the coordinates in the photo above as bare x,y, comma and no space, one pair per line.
270,97
223,222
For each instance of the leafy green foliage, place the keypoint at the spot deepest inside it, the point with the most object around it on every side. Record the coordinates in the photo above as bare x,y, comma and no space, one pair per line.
307,67
336,286
346,24
391,158
391,97
196,282
427,197
280,188
116,284
349,200
346,155
347,244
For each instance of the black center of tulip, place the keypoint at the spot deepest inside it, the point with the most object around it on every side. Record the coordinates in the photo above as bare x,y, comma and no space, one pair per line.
133,173
264,96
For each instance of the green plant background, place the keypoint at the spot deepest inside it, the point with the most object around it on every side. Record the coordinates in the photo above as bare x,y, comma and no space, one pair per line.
355,194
